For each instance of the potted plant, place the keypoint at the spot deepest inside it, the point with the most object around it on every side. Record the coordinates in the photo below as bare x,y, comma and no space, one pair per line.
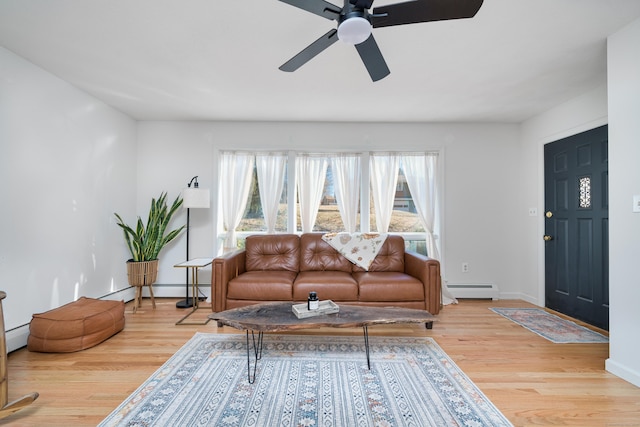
146,242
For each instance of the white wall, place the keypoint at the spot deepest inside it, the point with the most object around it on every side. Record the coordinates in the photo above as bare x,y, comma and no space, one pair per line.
483,218
170,154
624,182
67,162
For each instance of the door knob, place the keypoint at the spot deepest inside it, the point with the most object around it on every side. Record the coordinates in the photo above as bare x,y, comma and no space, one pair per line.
548,214
547,238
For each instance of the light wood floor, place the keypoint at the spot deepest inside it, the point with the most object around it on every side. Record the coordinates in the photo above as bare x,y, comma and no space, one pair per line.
532,381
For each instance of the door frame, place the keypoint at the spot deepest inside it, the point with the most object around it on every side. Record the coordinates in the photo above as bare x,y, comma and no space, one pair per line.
540,224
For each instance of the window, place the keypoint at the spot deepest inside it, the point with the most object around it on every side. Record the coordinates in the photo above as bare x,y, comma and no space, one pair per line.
253,218
585,192
404,217
328,217
328,214
340,195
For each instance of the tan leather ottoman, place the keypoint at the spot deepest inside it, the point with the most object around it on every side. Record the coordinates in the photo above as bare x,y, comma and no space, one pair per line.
75,326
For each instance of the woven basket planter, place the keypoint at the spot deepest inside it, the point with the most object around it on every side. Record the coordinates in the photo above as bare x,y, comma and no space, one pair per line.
142,273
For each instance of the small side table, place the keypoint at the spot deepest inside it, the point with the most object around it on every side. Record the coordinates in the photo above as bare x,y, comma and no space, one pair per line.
194,265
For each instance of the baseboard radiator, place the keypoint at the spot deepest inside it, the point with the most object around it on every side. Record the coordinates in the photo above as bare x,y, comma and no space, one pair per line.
479,291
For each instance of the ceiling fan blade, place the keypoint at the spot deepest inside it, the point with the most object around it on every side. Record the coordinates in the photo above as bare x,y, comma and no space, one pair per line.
310,51
318,7
362,4
412,12
373,59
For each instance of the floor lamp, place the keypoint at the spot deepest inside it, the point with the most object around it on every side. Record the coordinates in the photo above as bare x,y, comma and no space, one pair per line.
192,198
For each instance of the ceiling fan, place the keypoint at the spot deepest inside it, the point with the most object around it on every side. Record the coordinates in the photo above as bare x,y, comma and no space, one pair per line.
355,23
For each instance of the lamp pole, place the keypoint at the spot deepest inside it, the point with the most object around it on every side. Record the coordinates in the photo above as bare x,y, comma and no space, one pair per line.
188,303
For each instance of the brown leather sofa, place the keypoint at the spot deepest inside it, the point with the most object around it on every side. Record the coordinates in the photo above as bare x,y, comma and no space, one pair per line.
286,267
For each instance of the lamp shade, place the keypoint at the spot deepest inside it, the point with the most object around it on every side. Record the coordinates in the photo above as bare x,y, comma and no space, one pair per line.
195,198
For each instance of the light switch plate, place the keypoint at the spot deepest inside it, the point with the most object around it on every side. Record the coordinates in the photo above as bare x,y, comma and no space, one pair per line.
636,203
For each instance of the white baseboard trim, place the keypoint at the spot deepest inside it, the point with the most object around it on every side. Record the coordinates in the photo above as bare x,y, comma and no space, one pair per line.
622,371
16,338
474,290
177,291
521,296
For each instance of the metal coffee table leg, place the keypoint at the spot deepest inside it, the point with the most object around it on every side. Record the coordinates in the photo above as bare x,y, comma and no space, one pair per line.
257,351
366,344
257,344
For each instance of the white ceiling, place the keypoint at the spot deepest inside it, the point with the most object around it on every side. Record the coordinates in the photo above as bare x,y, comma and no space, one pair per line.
218,60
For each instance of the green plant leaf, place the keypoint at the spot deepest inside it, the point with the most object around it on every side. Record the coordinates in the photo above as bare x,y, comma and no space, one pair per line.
146,241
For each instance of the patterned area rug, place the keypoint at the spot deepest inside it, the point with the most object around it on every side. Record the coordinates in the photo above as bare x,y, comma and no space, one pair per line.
308,381
550,326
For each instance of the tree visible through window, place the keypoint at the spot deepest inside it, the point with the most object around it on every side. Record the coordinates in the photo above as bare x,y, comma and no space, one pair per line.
253,218
329,218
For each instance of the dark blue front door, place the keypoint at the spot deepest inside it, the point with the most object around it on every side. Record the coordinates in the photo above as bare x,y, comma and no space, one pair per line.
577,226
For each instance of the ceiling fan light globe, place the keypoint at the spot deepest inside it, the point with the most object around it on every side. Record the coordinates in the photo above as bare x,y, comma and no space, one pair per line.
354,30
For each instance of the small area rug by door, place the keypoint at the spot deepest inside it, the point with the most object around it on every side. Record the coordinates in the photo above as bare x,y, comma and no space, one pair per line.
550,326
308,381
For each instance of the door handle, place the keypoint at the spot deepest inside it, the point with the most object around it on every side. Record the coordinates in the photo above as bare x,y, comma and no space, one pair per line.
547,238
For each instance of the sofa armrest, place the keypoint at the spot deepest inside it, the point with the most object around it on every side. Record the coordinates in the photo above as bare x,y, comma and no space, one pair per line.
225,268
427,270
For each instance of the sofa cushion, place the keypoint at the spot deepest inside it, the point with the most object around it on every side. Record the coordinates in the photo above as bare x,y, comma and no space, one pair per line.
389,286
333,285
318,255
389,258
272,252
262,286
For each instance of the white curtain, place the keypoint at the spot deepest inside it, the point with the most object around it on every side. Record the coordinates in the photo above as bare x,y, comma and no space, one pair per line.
421,172
346,183
384,180
270,168
311,173
236,170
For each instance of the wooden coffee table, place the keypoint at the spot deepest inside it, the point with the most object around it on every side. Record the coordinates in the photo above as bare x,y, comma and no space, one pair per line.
279,317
